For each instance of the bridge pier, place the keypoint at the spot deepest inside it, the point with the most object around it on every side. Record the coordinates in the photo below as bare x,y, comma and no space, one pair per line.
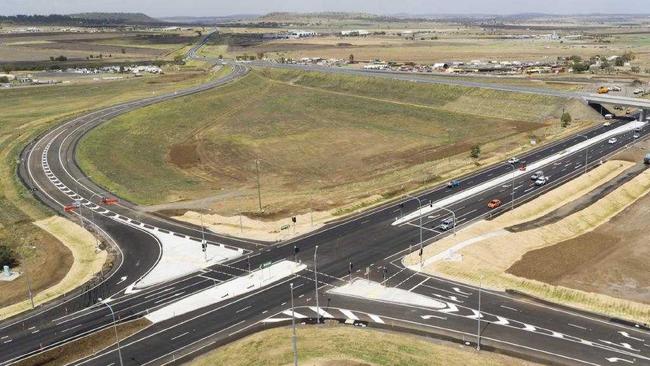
642,115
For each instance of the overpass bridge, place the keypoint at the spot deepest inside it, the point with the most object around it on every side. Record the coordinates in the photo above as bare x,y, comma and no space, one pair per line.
642,104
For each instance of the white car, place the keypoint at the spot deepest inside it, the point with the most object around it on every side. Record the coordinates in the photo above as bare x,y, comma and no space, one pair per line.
609,116
615,88
636,135
538,174
513,160
612,140
541,181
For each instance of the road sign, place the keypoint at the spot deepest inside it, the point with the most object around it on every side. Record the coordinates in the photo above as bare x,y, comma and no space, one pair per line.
266,264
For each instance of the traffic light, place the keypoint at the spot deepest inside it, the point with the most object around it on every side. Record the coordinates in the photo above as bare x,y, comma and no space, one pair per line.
293,219
204,246
295,249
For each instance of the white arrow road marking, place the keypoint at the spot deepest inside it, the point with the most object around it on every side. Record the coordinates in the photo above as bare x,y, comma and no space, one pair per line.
501,321
616,359
452,298
348,314
529,327
426,317
451,308
122,279
475,314
297,315
627,335
460,292
623,345
322,312
375,318
556,334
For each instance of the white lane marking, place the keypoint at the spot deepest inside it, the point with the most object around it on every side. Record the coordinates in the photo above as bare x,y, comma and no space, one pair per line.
509,308
461,292
414,287
622,345
161,291
321,312
36,331
242,309
122,279
557,334
425,317
4,337
65,330
265,311
501,321
627,335
297,315
348,314
180,335
8,341
577,326
616,359
375,318
475,314
169,297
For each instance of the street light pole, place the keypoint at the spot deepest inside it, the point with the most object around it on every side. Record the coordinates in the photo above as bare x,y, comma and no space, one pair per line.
204,245
29,281
316,282
419,214
586,151
259,189
293,327
117,338
478,317
512,194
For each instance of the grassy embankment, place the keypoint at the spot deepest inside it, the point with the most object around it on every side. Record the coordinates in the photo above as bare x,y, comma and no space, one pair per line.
347,346
27,112
324,141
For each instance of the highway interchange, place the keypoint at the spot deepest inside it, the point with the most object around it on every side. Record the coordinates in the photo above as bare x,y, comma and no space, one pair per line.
508,323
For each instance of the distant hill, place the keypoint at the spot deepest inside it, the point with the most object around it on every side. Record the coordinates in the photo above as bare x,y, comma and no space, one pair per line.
117,18
287,16
210,19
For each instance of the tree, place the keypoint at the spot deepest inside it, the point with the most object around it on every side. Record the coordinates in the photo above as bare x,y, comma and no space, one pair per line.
179,59
635,69
351,58
566,119
7,256
475,152
4,79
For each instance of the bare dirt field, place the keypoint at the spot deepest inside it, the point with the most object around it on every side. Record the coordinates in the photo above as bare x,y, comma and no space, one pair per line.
610,260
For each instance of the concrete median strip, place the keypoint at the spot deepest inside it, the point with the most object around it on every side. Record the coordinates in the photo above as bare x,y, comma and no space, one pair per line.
227,290
375,291
504,179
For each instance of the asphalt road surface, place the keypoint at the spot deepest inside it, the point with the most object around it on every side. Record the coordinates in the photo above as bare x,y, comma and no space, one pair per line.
368,240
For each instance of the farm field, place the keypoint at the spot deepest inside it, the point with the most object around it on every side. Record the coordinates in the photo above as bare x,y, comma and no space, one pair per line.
348,346
31,111
113,46
322,141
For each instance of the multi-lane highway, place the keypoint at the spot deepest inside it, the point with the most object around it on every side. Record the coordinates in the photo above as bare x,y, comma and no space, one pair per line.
368,240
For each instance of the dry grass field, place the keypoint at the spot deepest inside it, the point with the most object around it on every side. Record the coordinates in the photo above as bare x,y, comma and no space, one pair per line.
348,346
323,141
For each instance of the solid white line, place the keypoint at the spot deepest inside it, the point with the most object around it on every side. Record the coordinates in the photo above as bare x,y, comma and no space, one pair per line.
423,281
180,335
242,309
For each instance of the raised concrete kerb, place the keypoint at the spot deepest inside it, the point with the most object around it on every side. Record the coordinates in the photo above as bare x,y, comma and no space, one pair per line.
507,178
226,290
362,288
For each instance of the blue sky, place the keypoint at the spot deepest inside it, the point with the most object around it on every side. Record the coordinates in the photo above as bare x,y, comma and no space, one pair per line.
227,7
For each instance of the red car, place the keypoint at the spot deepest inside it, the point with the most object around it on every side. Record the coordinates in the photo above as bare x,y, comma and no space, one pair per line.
494,203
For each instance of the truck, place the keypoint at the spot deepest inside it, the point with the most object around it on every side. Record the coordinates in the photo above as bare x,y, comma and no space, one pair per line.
603,90
646,160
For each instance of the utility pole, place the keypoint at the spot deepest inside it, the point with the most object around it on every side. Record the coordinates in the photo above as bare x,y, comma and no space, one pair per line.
293,327
316,282
204,244
29,281
478,318
117,338
259,190
512,194
420,214
586,151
